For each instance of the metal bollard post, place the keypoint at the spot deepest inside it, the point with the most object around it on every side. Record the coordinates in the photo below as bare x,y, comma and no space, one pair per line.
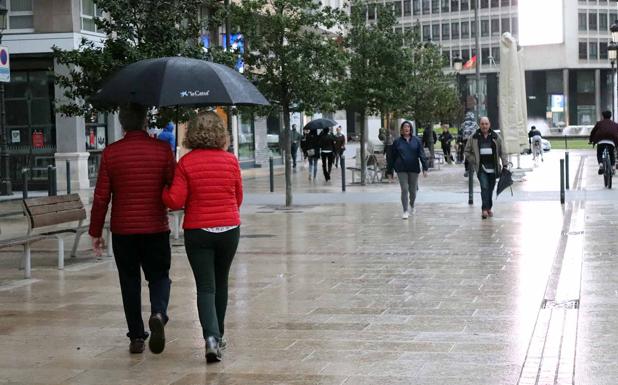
68,177
342,164
51,181
562,181
566,170
24,180
470,185
272,174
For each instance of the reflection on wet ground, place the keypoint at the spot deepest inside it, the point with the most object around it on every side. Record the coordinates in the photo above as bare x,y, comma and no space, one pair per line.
342,291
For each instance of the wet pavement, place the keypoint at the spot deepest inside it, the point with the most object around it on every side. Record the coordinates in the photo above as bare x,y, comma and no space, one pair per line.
339,289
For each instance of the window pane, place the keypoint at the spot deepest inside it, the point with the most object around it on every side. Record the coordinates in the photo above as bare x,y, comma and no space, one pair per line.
495,3
445,32
41,112
484,3
16,112
21,5
20,22
602,50
465,5
88,24
416,7
454,5
435,6
40,84
88,7
465,29
407,8
485,55
592,49
603,21
592,21
426,33
495,27
426,7
455,30
435,32
581,17
506,25
484,27
17,86
445,7
583,51
505,3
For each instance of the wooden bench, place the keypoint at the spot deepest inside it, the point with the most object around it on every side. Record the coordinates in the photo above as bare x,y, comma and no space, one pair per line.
50,211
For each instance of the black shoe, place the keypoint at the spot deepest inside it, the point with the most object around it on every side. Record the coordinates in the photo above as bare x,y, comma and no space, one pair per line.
137,346
156,343
213,351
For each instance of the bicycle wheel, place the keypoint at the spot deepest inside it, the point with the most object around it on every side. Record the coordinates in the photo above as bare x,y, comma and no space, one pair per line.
607,174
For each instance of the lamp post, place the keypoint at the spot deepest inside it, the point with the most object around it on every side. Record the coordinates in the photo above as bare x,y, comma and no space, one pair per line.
458,66
5,181
612,54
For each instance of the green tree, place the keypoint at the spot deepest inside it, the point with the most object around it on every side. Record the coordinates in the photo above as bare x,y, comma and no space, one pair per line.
135,30
293,58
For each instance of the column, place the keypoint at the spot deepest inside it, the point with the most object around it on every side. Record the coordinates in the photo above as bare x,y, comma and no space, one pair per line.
70,145
565,91
597,93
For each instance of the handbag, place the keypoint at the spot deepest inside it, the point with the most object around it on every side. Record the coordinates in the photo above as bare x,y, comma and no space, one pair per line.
311,152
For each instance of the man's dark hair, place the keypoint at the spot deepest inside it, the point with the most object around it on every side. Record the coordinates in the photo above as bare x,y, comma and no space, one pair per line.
606,114
533,128
133,117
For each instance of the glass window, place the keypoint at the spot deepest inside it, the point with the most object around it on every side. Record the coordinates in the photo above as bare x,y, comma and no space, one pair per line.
465,5
445,7
465,55
454,5
484,28
505,3
585,82
495,52
582,22
592,21
455,30
603,21
446,35
514,3
397,8
407,8
484,3
246,137
583,51
485,55
514,27
20,14
89,13
416,7
465,29
435,6
426,33
593,51
371,12
426,7
495,27
506,25
602,50
435,32
473,29
495,3
613,16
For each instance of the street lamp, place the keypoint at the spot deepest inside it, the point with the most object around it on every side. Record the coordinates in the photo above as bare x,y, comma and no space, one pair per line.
612,54
457,64
614,30
5,181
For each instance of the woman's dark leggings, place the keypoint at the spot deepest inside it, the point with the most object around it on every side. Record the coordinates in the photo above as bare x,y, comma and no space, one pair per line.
210,256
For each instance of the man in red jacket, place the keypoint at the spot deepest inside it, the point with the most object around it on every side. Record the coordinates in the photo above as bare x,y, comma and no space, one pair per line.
133,173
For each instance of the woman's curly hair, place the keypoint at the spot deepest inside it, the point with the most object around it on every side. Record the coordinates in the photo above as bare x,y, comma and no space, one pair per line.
206,130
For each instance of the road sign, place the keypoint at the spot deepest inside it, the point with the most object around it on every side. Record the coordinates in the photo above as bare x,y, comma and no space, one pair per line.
5,69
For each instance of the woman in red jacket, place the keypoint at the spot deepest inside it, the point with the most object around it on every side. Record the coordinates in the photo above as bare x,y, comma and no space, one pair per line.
207,183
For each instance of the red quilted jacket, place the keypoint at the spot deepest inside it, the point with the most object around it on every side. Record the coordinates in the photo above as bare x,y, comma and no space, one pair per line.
208,184
133,172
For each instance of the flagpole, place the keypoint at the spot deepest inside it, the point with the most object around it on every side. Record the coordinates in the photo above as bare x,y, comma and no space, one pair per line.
477,39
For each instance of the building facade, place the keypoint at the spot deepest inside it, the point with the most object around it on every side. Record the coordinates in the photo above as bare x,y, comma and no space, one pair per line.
566,84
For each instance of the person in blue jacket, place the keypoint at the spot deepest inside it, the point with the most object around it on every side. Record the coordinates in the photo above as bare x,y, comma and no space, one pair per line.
406,157
167,135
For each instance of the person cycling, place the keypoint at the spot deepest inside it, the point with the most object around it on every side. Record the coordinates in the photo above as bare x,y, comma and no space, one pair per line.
605,136
535,142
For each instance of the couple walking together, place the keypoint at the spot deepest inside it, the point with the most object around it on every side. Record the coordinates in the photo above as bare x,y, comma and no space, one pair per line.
140,177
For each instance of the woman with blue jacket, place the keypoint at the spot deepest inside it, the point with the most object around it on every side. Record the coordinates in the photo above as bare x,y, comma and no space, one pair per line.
406,157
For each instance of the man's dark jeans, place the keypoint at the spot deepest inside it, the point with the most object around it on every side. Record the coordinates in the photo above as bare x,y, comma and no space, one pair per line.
610,150
488,182
152,253
294,153
210,256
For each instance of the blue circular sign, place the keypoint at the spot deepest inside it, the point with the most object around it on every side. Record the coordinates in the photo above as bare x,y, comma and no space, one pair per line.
4,57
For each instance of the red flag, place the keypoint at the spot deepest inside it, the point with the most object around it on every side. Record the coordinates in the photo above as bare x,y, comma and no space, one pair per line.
470,63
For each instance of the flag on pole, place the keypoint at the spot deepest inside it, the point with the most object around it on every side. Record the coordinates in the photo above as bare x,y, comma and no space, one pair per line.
470,63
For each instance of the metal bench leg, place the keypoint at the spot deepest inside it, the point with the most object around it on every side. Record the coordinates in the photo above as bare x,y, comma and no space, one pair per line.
78,235
27,262
60,252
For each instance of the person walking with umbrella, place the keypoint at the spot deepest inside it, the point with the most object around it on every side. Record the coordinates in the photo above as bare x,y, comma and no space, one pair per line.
484,153
208,184
406,157
327,150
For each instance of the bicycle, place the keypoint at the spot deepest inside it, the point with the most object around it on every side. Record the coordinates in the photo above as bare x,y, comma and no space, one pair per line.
608,172
537,150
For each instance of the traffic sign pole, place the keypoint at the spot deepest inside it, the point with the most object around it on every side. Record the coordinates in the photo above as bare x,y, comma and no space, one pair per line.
6,187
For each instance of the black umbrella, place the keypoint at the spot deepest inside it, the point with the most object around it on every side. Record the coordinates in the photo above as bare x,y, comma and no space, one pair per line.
506,180
319,124
177,81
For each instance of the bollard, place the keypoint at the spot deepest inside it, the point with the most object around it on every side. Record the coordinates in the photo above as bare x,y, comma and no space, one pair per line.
562,181
272,174
342,165
68,177
566,170
24,180
51,181
470,185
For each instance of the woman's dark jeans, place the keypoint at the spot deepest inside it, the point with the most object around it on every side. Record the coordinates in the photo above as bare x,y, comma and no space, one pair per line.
488,182
210,256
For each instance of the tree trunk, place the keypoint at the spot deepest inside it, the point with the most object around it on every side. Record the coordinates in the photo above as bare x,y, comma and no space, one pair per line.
363,152
287,153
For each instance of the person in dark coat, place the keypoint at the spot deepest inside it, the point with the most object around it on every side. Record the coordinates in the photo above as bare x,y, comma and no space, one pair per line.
339,145
406,158
295,138
445,138
327,151
312,146
132,174
605,135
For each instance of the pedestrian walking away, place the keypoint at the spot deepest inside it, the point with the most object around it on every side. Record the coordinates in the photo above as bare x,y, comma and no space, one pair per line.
208,184
132,174
327,151
468,127
313,152
339,145
605,135
296,137
484,153
407,156
445,138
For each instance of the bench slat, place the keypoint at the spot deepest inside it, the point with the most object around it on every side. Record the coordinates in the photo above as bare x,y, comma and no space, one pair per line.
58,217
47,209
30,202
